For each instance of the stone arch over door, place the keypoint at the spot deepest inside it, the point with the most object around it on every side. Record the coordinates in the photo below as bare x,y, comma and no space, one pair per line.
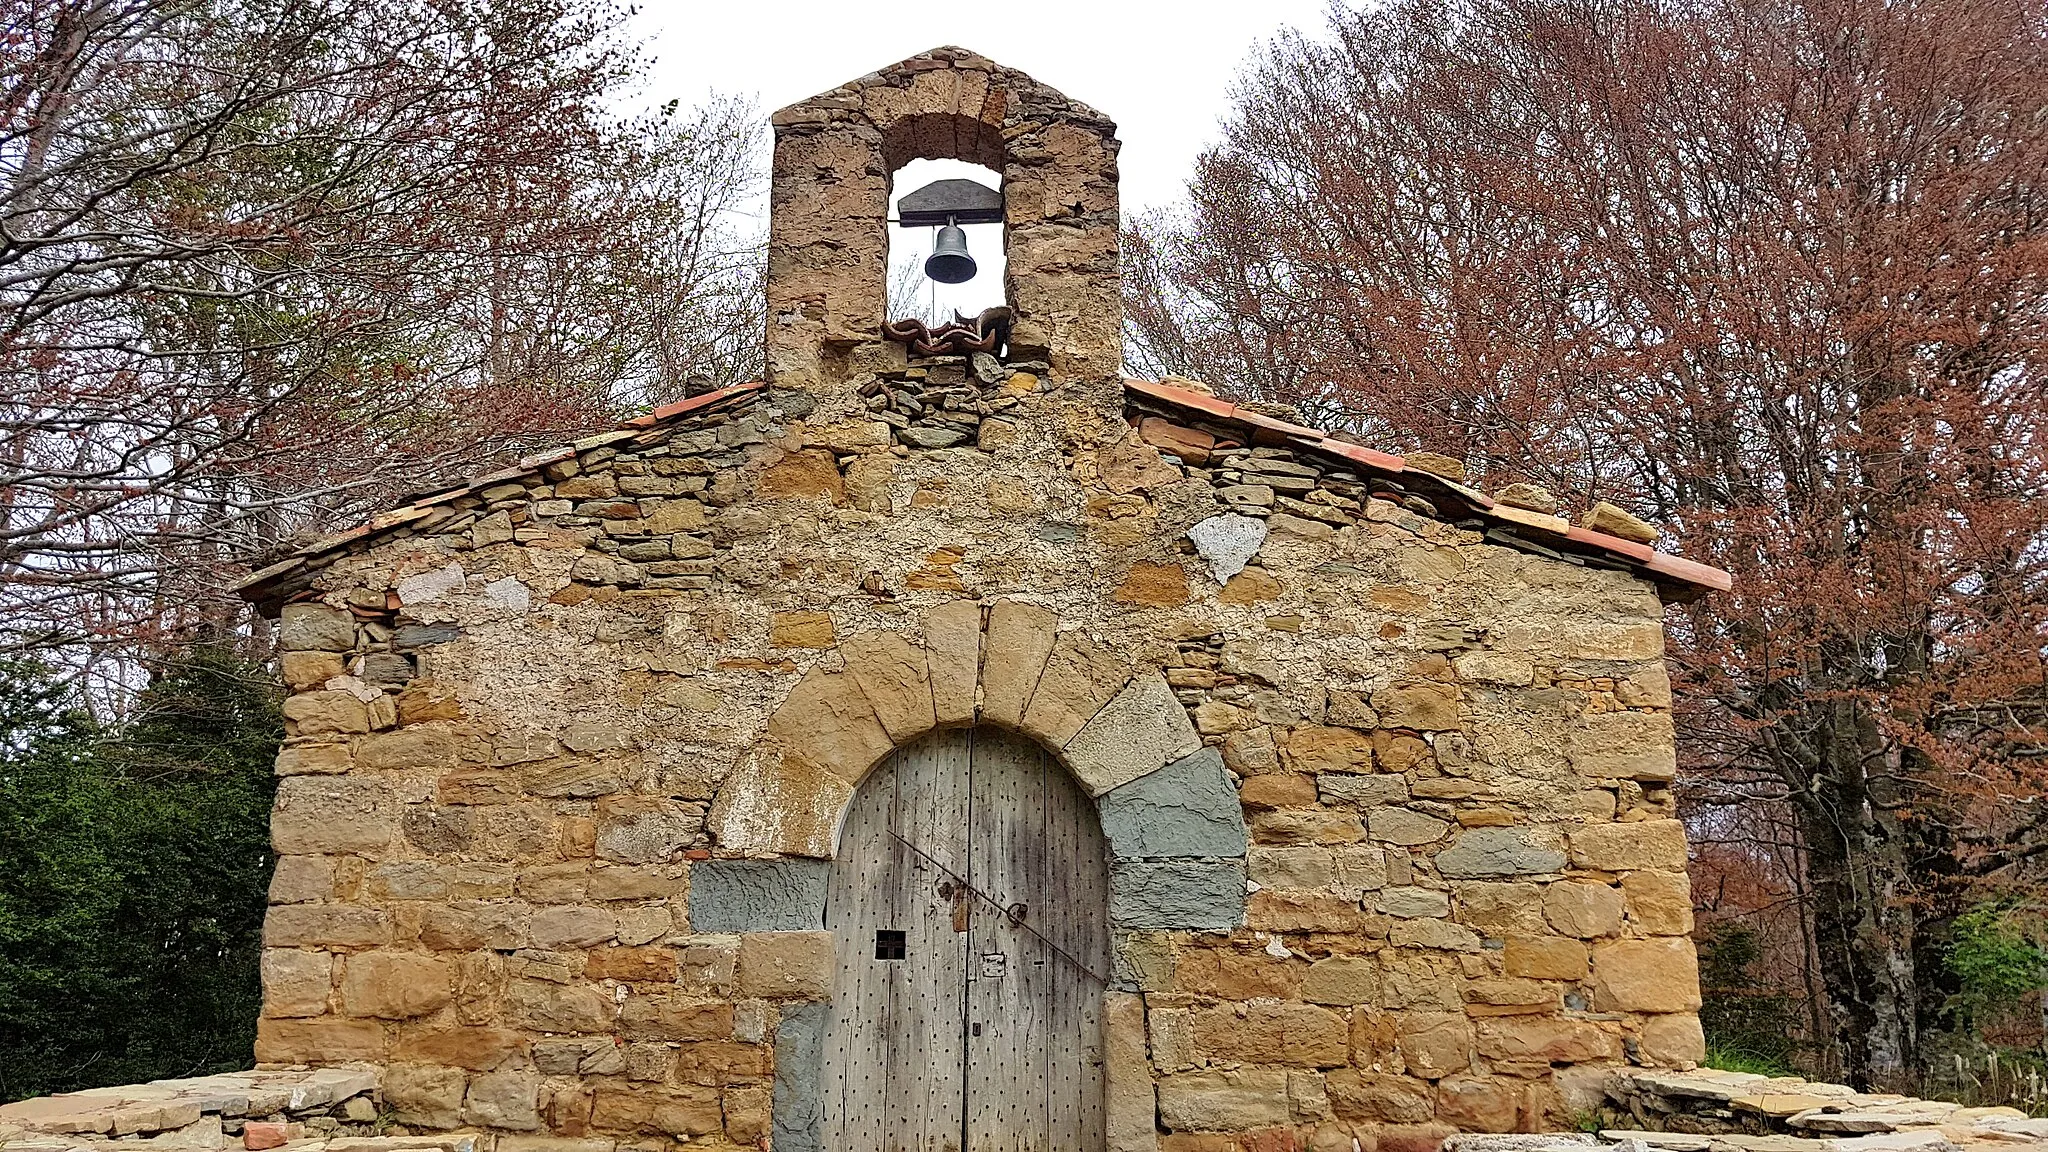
1168,812
830,192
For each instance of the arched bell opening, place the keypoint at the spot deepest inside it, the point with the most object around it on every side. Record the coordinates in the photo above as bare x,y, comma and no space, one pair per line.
969,905
942,265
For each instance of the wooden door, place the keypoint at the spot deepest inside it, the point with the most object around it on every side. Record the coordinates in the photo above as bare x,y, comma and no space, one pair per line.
968,901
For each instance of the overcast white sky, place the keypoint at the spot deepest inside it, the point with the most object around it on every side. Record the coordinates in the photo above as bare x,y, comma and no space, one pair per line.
1162,71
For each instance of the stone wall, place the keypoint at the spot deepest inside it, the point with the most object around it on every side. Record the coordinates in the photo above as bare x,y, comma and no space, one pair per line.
532,727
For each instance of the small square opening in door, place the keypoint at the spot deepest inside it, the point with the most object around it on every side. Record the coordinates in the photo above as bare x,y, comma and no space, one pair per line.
889,944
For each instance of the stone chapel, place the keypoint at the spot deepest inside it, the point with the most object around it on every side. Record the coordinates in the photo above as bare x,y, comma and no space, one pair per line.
949,743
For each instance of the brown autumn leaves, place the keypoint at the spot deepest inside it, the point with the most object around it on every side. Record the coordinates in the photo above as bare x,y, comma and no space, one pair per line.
1773,275
267,264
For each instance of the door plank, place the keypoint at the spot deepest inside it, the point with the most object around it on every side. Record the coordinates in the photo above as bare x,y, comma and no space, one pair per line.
926,1090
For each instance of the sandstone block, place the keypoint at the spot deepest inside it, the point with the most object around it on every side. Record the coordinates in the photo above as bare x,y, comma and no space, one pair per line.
302,879
406,748
313,760
1154,585
1080,676
1141,729
322,814
1342,980
1673,1041
1474,1104
632,965
322,713
1252,752
1583,908
1318,750
953,659
1501,909
1545,1040
1405,827
675,1018
1369,1097
1307,826
1186,809
1229,974
1223,1101
1422,705
1625,745
811,474
572,926
1545,958
1658,974
1295,867
1605,517
315,627
477,1049
1364,791
543,1007
1273,1033
1510,995
1129,1101
508,1099
1270,911
647,1108
424,1095
1659,903
395,985
786,965
891,673
776,803
1480,852
800,630
1434,1044
1020,640
1495,668
319,1039
333,926
1658,844
296,983
1409,903
303,670
1280,790
827,721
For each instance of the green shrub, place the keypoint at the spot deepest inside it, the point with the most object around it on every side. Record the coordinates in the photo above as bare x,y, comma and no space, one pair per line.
133,863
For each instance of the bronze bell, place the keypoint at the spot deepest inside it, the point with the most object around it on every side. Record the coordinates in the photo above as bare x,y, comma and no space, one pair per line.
949,262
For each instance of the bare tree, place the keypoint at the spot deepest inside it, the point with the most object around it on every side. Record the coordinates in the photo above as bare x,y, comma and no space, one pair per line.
264,263
1774,273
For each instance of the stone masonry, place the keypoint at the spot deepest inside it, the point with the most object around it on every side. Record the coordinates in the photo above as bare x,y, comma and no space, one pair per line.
1383,763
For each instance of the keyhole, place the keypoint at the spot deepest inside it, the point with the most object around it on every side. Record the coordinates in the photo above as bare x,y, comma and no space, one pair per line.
977,1029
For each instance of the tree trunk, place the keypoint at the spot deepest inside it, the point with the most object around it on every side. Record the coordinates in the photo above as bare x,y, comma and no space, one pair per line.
1864,921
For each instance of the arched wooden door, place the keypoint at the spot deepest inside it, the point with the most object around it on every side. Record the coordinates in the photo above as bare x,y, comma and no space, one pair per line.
969,901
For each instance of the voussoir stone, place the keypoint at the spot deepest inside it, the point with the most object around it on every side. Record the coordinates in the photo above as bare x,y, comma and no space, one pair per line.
1079,677
1186,809
891,673
1020,639
953,659
1140,730
827,721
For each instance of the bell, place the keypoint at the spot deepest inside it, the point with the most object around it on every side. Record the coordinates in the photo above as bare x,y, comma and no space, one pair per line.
949,262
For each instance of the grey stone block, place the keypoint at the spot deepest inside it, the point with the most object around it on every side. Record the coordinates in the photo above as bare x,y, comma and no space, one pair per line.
1142,728
411,636
1481,852
1187,809
799,1076
758,895
1189,895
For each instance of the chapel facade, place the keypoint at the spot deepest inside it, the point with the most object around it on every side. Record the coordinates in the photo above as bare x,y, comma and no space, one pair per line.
950,743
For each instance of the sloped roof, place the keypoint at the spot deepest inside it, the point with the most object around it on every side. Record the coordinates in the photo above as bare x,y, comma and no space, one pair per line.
1679,578
1676,577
